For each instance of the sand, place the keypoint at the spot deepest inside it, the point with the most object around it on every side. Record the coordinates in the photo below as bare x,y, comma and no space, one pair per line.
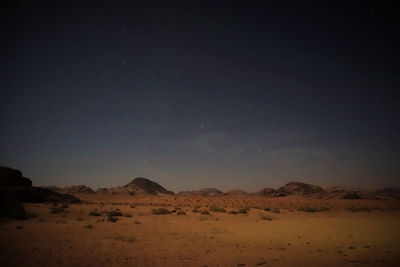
343,233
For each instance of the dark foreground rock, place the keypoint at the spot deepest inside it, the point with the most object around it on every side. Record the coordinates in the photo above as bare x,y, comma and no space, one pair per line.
16,189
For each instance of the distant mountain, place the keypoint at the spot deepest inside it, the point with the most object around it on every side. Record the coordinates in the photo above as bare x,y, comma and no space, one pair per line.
203,192
102,190
77,189
343,193
138,186
299,188
392,192
292,188
235,192
141,185
268,192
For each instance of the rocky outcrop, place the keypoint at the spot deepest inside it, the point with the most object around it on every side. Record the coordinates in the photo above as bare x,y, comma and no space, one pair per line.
267,192
292,188
13,177
389,192
298,188
342,193
141,185
203,192
77,189
102,190
16,189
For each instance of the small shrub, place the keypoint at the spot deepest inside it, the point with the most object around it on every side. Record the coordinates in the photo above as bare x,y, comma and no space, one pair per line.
56,210
89,226
204,212
312,209
114,213
137,222
181,212
94,213
233,212
132,206
267,209
243,211
276,210
195,210
79,219
355,209
127,215
266,217
160,211
217,209
111,219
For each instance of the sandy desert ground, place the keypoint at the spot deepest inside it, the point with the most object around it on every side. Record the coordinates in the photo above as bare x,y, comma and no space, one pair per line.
238,231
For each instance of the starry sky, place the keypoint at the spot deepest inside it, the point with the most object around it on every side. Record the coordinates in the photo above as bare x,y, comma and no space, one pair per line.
226,94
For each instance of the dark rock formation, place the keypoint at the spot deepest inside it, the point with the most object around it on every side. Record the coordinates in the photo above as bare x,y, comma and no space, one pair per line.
298,188
102,190
202,192
16,189
10,207
145,186
53,188
77,189
342,193
12,177
267,192
391,192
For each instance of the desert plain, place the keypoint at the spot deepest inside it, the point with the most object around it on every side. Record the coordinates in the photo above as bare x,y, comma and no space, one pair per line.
191,230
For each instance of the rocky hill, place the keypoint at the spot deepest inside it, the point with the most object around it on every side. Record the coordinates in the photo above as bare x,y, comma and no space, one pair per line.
138,186
16,189
141,185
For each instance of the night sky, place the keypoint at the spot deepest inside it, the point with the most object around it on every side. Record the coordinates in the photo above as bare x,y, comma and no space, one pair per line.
242,94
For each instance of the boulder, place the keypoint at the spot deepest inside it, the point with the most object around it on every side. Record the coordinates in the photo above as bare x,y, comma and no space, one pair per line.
12,177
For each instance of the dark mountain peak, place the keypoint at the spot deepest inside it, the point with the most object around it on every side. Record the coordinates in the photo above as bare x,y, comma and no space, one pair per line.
300,188
142,185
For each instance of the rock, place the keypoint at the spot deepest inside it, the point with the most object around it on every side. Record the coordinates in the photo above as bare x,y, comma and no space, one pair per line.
145,186
16,189
102,190
13,177
77,189
390,192
267,192
52,188
342,193
41,195
298,188
10,207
